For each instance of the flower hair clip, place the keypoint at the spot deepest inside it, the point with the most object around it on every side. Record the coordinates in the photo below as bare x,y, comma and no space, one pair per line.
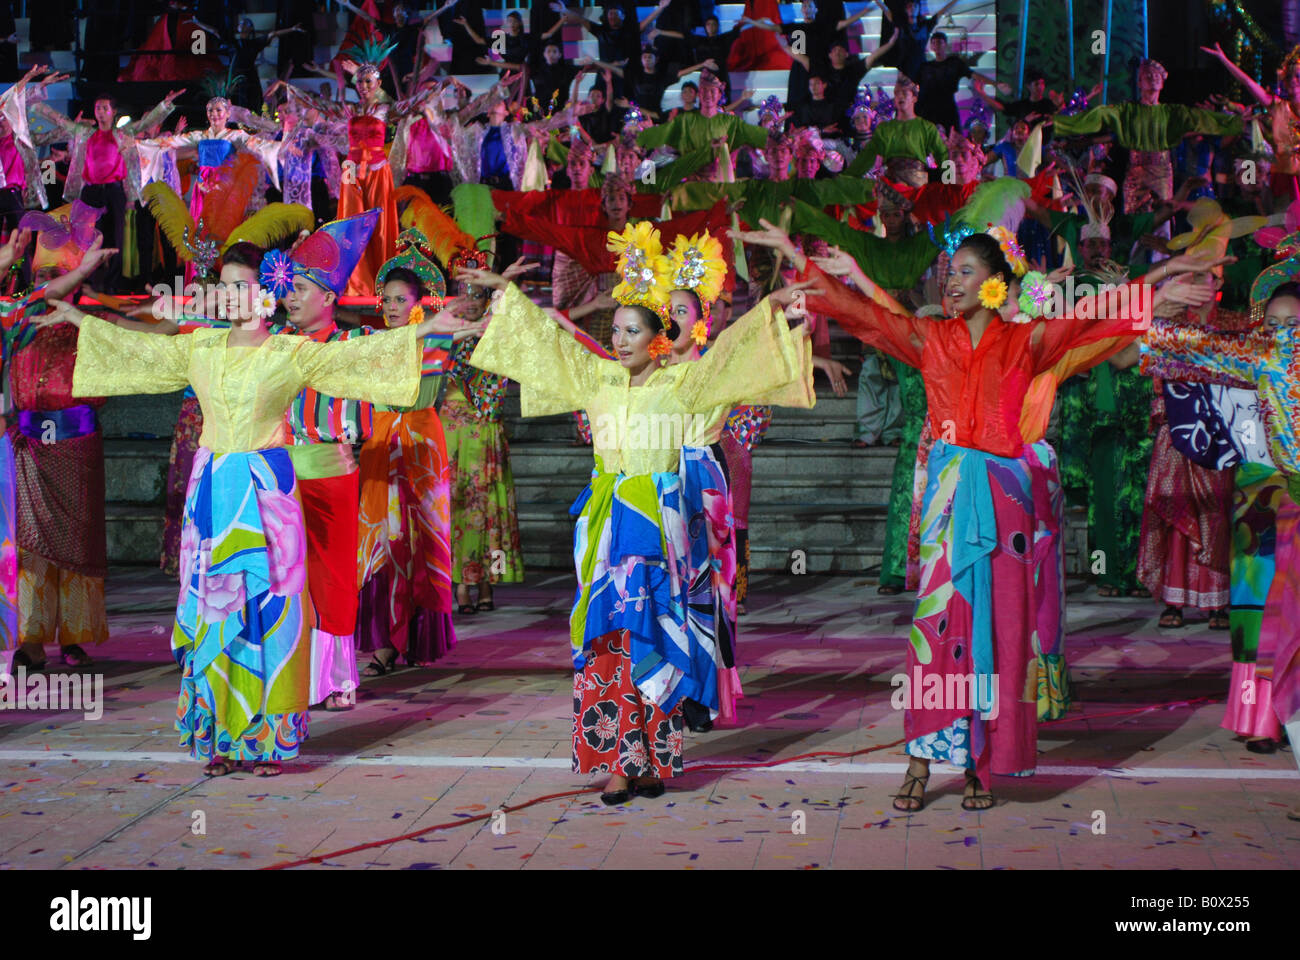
993,293
660,346
700,333
1010,247
1036,293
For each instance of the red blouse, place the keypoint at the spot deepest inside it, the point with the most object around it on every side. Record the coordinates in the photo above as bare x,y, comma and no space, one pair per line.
975,394
40,374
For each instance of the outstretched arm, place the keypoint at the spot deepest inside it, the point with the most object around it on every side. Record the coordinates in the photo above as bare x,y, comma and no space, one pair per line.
1240,75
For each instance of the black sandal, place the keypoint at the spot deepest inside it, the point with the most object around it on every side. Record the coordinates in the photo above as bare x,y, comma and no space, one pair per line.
617,797
888,589
1264,745
909,780
1219,619
377,667
1170,613
974,802
485,606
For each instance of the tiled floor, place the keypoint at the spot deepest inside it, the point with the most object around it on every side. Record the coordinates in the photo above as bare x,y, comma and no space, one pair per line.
489,728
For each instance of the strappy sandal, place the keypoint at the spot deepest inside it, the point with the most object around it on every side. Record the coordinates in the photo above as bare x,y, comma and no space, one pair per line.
907,797
1171,619
888,589
484,606
1219,619
221,768
377,667
976,801
266,768
1107,590
1140,593
336,703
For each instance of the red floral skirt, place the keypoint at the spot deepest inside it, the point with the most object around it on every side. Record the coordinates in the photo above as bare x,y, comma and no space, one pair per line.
614,730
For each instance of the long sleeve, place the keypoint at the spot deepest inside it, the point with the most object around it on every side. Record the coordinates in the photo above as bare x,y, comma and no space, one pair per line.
247,118
1238,355
755,355
1105,117
435,357
586,245
660,135
116,362
157,115
902,336
1126,313
556,374
1183,120
799,392
382,368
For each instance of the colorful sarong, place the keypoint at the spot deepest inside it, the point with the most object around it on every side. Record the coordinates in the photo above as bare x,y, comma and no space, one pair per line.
630,550
241,632
1278,659
404,532
8,548
974,656
1049,582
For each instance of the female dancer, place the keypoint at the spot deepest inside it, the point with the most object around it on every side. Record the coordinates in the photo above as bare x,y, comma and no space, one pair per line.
978,524
634,662
1283,120
404,533
360,130
241,633
1266,357
484,520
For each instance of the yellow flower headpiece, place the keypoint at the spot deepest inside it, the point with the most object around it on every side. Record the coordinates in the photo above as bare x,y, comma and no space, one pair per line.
1011,248
643,269
698,265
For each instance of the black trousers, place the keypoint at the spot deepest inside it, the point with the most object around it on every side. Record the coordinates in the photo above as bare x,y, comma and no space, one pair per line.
112,224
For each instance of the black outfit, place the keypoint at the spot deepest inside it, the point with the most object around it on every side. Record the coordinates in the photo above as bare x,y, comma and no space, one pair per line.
1019,109
403,56
112,224
796,91
243,62
464,50
842,85
599,125
937,101
909,53
718,49
818,113
680,16
295,48
646,90
551,81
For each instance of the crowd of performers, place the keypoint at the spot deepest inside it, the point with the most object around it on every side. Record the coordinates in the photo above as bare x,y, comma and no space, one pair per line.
340,480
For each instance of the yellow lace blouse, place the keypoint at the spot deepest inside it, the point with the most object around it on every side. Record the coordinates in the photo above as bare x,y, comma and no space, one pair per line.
245,391
640,430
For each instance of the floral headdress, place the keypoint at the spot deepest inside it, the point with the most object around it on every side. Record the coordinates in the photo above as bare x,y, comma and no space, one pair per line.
414,253
862,104
1010,247
642,268
808,143
697,264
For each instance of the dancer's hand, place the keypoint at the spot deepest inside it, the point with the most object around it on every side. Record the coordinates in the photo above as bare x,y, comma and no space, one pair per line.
1216,51
1182,292
837,263
791,298
482,278
836,372
13,247
518,269
61,312
770,236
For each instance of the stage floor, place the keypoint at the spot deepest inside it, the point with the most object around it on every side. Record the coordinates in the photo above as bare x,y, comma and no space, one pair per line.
489,727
